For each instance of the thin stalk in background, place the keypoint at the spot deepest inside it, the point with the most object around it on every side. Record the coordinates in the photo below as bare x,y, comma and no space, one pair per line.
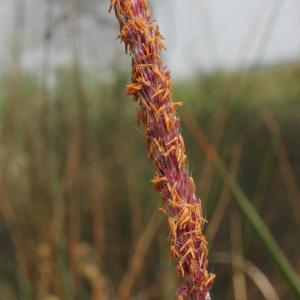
237,257
138,257
264,180
288,177
253,272
224,200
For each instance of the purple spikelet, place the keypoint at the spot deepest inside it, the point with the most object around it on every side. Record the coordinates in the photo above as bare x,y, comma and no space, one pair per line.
151,88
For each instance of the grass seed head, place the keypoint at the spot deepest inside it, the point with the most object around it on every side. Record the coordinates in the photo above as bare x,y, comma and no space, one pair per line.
151,87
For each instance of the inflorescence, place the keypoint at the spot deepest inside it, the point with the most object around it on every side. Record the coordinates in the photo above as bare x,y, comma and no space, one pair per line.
151,88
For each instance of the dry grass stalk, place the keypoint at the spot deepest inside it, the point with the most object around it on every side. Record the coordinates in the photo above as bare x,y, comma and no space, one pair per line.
224,200
239,280
286,169
89,268
138,257
220,121
252,271
151,88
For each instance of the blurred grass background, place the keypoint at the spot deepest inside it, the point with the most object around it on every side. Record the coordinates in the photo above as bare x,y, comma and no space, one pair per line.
78,218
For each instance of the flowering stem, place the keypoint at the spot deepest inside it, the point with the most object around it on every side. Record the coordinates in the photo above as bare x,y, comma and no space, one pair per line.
151,88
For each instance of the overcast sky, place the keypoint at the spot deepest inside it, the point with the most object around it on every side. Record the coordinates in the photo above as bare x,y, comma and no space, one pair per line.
206,34
200,34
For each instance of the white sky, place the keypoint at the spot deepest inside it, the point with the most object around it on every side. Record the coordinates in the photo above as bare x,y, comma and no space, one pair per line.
204,34
200,34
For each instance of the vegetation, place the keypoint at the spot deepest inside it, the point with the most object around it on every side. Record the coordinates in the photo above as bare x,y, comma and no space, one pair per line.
78,217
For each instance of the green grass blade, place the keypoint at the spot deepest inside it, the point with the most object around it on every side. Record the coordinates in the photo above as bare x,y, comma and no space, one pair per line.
288,273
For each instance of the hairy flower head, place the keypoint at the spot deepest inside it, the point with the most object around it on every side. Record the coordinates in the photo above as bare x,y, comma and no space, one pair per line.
151,87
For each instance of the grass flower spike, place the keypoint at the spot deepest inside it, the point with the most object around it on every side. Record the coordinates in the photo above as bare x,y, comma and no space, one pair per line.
151,88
